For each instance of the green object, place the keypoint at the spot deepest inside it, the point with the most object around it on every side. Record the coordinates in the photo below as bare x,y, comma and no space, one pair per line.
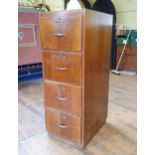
121,41
132,41
132,34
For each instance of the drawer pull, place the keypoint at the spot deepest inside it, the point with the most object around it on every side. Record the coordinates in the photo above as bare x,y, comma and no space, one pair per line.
61,125
61,68
61,98
58,34
59,20
61,57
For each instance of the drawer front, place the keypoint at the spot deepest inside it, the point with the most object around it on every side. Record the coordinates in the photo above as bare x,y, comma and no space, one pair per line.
63,125
63,97
61,32
62,67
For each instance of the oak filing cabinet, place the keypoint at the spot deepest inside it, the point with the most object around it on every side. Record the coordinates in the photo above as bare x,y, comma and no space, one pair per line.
76,47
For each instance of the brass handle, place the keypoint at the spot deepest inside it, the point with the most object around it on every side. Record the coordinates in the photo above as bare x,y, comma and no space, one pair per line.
61,68
61,98
58,34
62,125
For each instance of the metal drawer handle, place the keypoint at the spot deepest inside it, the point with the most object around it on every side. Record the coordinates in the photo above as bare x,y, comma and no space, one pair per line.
61,57
61,68
58,34
61,98
61,125
59,20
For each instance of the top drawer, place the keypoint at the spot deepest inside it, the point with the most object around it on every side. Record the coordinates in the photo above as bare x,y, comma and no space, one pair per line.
61,32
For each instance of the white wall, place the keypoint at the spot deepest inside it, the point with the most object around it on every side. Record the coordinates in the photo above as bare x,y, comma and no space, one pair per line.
126,12
55,4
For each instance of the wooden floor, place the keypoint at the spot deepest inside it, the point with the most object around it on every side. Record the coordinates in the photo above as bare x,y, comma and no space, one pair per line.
116,137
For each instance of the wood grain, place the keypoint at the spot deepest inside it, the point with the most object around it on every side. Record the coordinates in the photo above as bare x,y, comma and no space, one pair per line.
129,59
69,28
62,67
96,71
63,125
88,69
116,137
63,97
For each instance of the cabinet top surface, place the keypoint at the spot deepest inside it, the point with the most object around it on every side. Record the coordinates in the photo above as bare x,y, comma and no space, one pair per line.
75,11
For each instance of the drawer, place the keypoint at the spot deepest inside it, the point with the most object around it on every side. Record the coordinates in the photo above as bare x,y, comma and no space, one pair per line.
61,32
62,67
63,97
63,125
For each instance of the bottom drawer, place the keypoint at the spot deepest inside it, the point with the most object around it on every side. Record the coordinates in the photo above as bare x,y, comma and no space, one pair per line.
63,125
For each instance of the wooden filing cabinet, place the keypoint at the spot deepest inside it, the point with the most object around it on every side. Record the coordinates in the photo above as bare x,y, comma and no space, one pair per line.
76,58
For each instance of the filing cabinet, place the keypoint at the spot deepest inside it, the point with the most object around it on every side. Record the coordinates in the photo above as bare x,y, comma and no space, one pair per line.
76,47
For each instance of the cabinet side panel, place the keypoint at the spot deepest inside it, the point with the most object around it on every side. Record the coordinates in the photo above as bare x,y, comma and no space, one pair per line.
98,32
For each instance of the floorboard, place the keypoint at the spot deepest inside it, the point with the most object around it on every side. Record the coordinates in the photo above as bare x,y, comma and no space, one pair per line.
116,137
